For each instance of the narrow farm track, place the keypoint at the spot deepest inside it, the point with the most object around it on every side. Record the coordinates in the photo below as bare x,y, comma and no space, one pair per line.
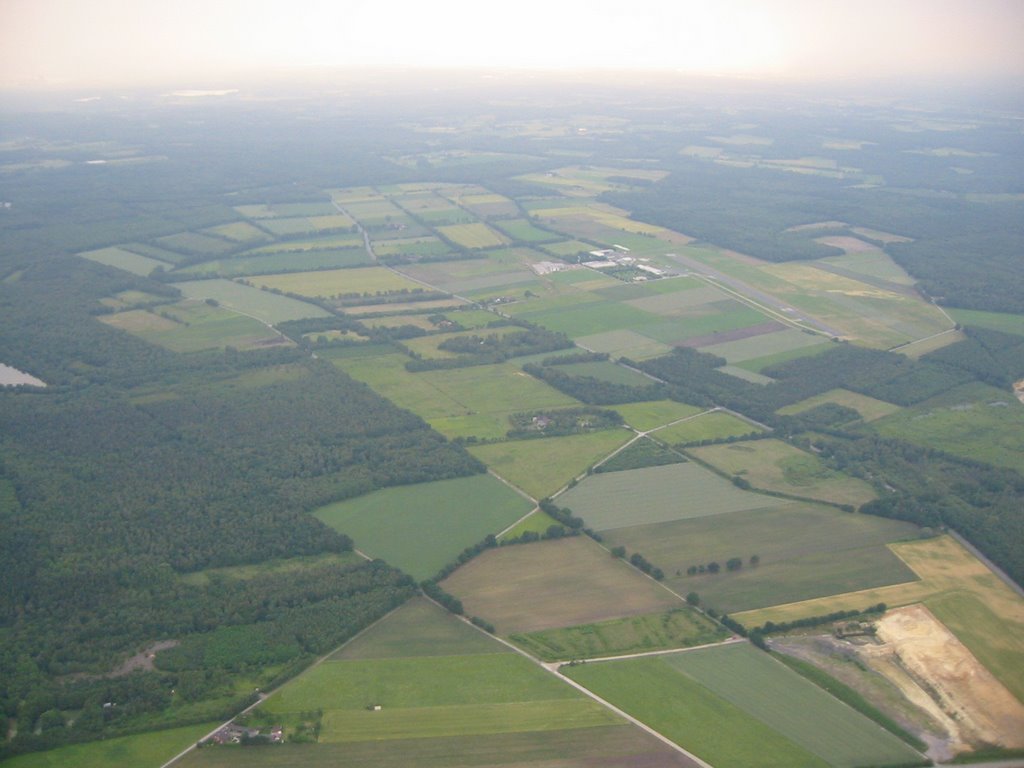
553,668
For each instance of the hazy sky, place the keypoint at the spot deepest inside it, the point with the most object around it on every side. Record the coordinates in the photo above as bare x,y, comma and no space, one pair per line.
207,42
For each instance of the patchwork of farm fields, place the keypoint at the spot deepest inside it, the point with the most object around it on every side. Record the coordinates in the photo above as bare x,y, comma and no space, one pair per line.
445,694
942,566
334,282
541,467
192,326
265,306
773,465
803,551
423,687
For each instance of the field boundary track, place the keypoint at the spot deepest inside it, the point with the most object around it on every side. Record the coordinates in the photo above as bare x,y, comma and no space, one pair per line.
553,668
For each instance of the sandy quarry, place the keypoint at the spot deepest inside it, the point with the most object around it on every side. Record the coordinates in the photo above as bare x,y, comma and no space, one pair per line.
937,672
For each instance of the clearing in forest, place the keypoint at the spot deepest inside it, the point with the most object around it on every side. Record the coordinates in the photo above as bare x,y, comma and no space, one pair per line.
420,528
774,465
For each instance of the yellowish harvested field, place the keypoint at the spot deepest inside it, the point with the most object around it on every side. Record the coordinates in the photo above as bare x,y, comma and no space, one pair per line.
944,567
332,282
473,235
868,407
918,348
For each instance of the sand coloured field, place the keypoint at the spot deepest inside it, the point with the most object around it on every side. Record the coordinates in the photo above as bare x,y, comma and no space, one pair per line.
978,709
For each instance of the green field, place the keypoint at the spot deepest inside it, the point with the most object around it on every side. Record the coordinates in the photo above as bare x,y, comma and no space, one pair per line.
593,317
607,371
656,413
976,421
262,305
568,248
428,346
267,263
774,694
196,244
678,628
688,713
146,750
321,243
805,551
476,235
541,467
610,500
997,321
419,628
773,465
941,566
757,364
239,231
420,681
706,426
997,642
623,745
464,719
624,343
550,584
126,260
763,344
537,522
411,246
463,402
191,326
420,528
333,282
640,453
869,408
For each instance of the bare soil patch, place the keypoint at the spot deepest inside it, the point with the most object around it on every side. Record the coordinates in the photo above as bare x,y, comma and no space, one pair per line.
143,660
926,661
